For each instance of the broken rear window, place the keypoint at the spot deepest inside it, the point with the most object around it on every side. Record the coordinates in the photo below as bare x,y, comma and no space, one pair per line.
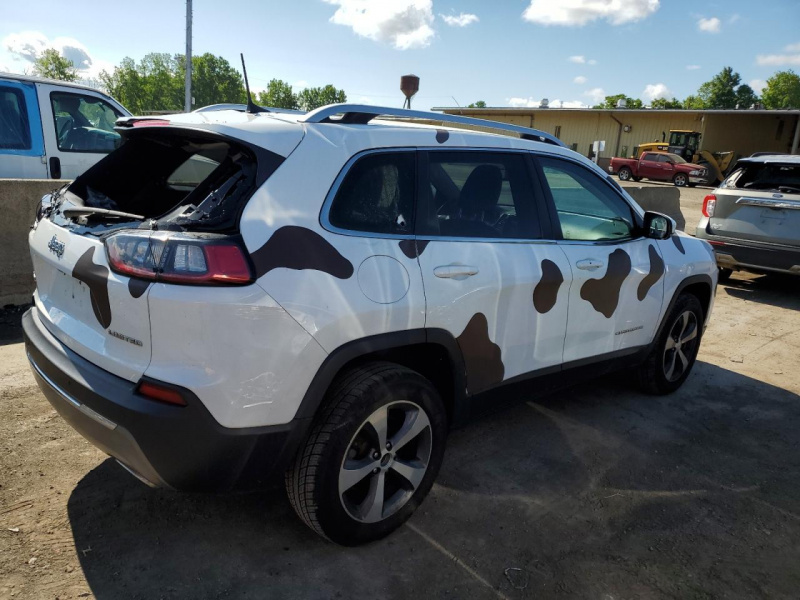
765,177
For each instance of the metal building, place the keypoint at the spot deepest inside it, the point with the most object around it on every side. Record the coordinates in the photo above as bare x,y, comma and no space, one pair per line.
740,131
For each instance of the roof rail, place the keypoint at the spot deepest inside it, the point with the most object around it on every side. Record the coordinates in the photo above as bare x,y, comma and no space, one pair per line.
361,114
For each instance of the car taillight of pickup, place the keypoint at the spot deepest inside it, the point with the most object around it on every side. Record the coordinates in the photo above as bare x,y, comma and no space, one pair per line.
659,166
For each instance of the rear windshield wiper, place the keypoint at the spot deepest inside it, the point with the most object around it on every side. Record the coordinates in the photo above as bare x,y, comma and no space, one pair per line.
87,211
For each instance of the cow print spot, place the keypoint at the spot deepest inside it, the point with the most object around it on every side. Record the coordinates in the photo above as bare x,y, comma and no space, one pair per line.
96,279
442,135
603,294
546,291
656,271
676,239
413,248
482,357
298,248
137,287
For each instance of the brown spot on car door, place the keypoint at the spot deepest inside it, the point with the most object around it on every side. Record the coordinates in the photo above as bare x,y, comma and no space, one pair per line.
298,248
137,287
603,294
546,291
413,248
96,279
656,271
482,357
676,239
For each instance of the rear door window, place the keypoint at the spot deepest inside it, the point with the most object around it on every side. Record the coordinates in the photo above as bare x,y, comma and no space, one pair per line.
84,123
15,131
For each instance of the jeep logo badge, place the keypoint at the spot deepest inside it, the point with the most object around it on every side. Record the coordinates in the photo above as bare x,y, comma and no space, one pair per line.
56,247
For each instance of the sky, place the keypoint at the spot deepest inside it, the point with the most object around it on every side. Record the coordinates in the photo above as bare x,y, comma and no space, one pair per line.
505,52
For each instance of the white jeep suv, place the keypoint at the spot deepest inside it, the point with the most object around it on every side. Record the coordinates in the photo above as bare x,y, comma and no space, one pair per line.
232,294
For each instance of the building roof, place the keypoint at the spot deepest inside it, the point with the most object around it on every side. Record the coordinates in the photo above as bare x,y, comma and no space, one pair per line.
528,110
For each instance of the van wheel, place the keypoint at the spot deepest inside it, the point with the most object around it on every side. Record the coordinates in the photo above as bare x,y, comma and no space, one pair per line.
680,180
625,174
373,454
675,351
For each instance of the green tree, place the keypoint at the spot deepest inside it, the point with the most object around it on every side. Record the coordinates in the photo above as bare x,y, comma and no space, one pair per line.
725,91
782,91
278,94
694,103
311,98
214,80
478,104
611,102
745,96
664,103
51,64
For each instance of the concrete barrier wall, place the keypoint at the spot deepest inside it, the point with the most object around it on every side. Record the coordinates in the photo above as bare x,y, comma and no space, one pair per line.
19,198
18,201
663,199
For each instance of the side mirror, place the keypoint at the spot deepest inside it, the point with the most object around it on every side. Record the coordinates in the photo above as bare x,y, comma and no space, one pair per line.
658,226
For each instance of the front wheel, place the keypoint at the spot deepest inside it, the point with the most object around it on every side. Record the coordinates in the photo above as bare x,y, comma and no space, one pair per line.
625,174
372,456
680,180
674,353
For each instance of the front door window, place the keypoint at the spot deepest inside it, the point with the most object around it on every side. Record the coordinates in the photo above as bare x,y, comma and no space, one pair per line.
84,123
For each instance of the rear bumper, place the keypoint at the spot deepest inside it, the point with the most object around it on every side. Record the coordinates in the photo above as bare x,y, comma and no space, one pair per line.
752,256
182,448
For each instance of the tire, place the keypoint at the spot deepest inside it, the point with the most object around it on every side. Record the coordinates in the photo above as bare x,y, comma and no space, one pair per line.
637,179
680,179
625,174
691,185
335,501
657,374
724,274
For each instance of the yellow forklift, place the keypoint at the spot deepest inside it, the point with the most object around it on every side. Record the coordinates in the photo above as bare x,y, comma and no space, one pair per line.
686,144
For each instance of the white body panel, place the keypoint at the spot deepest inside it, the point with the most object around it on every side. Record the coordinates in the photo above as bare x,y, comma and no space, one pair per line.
22,167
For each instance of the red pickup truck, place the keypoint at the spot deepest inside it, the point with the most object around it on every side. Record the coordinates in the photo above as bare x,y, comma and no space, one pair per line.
661,166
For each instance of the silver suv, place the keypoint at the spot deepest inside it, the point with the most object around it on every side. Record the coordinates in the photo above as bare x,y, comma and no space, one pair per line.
753,218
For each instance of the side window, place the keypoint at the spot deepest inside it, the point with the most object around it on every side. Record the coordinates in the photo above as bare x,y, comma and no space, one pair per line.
663,158
377,195
15,133
650,157
84,123
478,194
588,209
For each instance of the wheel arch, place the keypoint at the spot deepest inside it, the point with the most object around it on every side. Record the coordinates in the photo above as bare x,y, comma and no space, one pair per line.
700,286
434,353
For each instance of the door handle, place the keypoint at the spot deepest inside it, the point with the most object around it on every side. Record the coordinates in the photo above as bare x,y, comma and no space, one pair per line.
589,264
455,271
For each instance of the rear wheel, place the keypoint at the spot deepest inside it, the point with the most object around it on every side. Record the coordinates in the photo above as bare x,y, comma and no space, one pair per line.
637,178
725,274
625,174
675,351
372,456
680,179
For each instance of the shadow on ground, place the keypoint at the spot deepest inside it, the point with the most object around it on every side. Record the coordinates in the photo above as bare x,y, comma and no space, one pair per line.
596,492
774,289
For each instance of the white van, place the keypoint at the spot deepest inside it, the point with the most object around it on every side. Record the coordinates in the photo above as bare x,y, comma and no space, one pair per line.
53,129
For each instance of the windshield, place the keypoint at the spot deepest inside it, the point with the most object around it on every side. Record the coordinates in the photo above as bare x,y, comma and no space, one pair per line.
761,176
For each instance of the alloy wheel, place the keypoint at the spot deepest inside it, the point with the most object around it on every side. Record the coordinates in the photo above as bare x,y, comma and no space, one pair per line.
681,346
385,461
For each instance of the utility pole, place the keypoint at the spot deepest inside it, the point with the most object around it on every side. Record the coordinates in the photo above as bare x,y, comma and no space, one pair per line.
187,106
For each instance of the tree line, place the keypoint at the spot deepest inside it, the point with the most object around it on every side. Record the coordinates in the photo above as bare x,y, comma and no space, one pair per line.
156,83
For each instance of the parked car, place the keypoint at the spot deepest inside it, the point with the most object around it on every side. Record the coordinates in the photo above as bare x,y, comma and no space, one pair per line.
206,310
753,218
53,129
659,166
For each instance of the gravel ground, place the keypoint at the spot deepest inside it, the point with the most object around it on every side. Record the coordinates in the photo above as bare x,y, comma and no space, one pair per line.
597,492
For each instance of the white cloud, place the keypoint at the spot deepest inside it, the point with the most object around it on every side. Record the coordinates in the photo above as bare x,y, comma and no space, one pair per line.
734,17
536,103
758,85
402,23
778,60
28,45
792,48
656,90
580,80
577,59
581,12
711,25
693,67
461,20
591,61
595,94
523,102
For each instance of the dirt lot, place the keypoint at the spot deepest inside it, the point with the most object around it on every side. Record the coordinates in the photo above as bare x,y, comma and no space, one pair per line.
599,492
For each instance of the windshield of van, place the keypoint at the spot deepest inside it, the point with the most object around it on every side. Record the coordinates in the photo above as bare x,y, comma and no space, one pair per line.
775,177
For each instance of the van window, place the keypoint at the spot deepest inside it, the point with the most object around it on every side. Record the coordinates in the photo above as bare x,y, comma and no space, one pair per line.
15,133
84,123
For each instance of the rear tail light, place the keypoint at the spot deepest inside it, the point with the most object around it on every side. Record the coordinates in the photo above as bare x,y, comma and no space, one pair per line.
709,204
186,258
161,393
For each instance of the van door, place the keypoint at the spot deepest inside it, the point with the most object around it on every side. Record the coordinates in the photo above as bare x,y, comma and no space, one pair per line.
78,127
491,279
21,143
617,275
